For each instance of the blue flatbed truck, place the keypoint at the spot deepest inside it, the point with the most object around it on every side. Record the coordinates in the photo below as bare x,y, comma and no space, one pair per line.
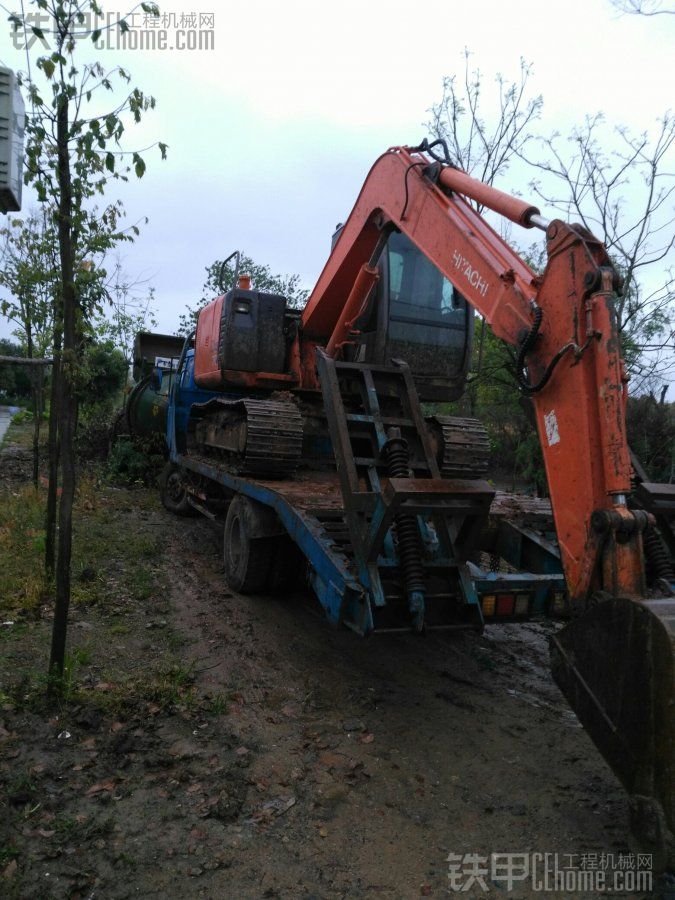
275,528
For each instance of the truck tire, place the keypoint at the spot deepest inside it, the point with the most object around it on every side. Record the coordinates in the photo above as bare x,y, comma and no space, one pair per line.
173,493
247,559
287,566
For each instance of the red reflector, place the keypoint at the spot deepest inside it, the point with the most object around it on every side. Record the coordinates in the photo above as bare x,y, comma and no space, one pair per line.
505,604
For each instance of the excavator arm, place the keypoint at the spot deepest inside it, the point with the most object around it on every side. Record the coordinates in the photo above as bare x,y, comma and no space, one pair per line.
563,318
615,662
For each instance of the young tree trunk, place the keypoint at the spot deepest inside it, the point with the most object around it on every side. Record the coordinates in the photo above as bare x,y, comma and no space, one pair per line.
37,417
67,410
53,447
36,377
473,387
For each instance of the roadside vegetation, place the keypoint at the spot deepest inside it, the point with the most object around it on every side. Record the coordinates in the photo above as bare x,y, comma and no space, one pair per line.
84,772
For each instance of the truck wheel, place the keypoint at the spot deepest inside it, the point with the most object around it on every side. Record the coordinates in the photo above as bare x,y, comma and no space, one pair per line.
287,565
247,559
173,493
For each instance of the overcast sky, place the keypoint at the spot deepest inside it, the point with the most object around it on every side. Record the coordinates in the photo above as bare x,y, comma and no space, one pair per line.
271,133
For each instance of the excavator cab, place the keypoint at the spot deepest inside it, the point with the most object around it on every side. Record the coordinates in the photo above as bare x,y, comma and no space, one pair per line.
414,313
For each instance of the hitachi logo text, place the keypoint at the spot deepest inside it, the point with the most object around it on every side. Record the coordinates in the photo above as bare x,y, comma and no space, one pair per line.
472,275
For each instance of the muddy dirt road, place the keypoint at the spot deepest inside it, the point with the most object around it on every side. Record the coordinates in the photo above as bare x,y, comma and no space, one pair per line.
377,758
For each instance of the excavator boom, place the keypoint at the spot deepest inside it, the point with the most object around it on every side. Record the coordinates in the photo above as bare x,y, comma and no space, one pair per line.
569,310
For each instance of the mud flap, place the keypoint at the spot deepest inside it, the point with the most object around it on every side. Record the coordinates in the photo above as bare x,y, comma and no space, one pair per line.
615,667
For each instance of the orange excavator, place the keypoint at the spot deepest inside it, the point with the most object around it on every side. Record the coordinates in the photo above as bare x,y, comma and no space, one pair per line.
390,512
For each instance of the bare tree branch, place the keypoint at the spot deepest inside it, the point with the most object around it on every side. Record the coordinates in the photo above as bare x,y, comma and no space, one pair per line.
642,7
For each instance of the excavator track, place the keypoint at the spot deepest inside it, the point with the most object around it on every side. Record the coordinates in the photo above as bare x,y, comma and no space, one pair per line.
462,447
258,437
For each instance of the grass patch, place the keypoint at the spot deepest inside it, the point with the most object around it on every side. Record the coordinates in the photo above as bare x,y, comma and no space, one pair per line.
217,705
109,559
170,686
118,588
21,790
22,581
69,829
20,432
8,852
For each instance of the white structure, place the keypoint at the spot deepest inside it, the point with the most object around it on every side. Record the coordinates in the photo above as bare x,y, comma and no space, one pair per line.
12,123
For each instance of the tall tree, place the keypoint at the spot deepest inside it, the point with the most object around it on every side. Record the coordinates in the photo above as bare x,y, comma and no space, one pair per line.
624,194
73,152
643,7
486,131
625,197
130,308
28,274
481,142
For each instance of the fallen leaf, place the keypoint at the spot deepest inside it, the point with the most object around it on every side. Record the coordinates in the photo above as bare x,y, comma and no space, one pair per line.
99,788
242,751
367,738
275,807
332,760
10,870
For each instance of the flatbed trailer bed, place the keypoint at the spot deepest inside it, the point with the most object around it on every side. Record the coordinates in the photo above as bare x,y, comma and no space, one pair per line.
309,507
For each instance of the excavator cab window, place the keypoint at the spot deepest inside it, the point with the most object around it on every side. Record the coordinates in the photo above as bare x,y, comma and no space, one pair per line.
420,296
426,321
417,315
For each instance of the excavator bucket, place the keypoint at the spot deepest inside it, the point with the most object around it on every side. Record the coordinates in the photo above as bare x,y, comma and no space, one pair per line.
615,665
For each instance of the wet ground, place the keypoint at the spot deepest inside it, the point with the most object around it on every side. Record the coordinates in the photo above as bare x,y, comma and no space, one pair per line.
381,757
294,761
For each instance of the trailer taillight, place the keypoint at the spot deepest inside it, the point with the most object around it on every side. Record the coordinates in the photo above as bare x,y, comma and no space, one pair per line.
505,605
489,605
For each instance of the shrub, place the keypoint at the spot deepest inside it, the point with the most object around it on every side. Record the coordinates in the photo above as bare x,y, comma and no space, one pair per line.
136,460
